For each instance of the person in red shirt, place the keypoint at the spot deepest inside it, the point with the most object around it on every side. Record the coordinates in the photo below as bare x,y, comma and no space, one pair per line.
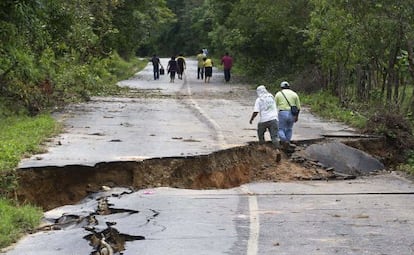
227,63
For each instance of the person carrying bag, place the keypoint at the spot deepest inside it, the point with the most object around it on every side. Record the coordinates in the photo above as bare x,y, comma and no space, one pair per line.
288,104
293,108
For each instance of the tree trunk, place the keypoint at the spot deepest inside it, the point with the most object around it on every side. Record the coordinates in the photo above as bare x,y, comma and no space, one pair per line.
391,72
410,45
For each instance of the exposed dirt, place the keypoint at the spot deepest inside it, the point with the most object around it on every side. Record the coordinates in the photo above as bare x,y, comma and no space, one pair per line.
398,139
51,187
375,147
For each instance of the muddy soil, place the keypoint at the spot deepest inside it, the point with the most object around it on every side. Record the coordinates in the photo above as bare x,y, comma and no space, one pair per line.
50,187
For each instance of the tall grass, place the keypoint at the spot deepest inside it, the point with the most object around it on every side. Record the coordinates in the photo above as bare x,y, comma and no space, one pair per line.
16,220
329,107
409,165
21,136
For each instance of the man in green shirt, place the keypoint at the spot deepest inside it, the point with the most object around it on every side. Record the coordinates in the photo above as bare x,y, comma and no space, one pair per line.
285,99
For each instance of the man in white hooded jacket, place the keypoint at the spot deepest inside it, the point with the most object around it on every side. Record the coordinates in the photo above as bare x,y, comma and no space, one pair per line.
265,106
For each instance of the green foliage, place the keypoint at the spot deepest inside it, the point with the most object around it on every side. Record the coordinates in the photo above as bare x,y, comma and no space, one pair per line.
138,24
122,70
8,107
15,220
55,50
183,32
266,37
8,183
408,166
329,107
20,136
363,44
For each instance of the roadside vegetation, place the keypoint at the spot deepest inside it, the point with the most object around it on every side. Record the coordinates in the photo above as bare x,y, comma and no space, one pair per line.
408,166
350,60
16,219
329,107
23,135
52,53
20,136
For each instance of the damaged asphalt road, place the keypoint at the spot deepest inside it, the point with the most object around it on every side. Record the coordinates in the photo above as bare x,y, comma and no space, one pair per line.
365,216
371,214
163,119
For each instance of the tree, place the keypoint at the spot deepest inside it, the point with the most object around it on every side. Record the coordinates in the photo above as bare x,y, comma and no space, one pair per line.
68,44
137,23
363,47
267,35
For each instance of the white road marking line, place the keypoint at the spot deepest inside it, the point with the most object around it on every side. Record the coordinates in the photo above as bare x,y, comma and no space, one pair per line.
219,134
254,229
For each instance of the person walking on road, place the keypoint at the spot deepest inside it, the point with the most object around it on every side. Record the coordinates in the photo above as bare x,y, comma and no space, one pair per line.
156,64
205,52
172,68
200,65
286,99
227,63
266,108
208,69
181,66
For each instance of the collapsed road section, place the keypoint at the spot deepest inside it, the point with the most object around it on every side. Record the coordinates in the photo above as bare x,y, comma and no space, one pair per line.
168,135
98,217
50,187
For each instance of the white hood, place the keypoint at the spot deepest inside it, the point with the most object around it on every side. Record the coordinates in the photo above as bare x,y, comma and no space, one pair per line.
262,92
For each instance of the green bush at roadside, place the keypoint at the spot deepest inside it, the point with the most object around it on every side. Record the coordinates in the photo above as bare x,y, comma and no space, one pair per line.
328,106
19,136
15,220
22,135
409,165
398,137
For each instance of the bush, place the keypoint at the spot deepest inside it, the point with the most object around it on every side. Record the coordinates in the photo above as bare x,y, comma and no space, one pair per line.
408,166
15,220
397,131
22,135
330,107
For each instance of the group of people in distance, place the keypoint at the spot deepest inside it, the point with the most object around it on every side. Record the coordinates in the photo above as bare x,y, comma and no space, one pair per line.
177,65
277,115
205,66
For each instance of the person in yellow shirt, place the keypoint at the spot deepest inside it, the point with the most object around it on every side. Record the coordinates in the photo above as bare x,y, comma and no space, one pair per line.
200,65
285,99
208,69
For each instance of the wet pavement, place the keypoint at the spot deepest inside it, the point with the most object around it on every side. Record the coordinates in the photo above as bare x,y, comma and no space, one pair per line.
370,215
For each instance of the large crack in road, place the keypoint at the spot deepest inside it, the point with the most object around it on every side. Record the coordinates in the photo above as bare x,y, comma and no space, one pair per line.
53,186
219,165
